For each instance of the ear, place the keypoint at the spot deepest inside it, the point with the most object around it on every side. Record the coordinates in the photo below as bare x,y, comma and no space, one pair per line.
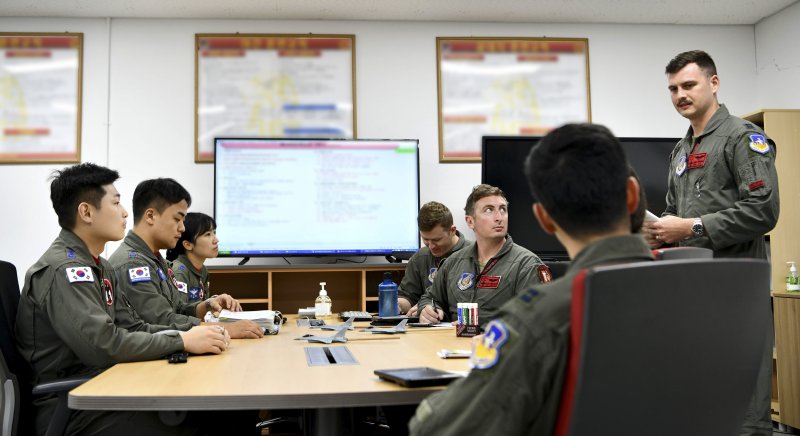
85,211
470,221
150,216
543,217
188,246
632,191
452,230
714,80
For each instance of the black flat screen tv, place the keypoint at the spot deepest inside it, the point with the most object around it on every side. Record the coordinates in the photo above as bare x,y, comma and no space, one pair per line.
316,197
502,166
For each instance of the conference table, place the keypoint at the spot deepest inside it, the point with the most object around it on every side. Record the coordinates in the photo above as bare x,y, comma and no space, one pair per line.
274,373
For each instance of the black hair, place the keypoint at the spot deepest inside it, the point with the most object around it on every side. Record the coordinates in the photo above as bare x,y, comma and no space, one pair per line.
579,173
77,184
196,224
699,57
158,194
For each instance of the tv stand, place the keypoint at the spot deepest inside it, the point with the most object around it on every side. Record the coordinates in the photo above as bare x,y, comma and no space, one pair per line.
244,260
290,287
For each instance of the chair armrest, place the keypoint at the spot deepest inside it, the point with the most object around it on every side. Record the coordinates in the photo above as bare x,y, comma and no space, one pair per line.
62,385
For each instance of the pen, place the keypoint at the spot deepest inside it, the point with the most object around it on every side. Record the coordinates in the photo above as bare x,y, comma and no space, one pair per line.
435,307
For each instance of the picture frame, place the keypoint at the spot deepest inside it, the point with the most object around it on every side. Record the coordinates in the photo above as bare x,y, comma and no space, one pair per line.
41,76
507,86
273,85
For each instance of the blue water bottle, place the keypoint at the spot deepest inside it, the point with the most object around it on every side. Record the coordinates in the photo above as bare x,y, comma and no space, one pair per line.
387,296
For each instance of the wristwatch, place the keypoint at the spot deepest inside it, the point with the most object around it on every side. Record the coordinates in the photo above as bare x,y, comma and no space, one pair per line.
697,228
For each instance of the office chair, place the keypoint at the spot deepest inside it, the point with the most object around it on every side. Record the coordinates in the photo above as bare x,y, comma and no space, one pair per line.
675,253
15,374
664,348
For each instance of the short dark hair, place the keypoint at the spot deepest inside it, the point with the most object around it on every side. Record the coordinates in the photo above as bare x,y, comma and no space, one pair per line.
158,194
699,57
196,224
77,184
579,173
434,214
481,191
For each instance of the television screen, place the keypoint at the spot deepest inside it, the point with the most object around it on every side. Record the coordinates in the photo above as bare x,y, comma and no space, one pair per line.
502,165
316,197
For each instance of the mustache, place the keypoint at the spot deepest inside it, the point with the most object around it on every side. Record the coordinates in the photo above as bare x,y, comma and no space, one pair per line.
683,100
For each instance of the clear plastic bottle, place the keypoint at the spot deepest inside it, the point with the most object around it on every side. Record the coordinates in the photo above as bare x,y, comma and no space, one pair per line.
323,303
792,281
387,296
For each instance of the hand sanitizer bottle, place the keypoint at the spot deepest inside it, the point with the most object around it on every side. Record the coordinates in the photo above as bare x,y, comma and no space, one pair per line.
792,281
323,304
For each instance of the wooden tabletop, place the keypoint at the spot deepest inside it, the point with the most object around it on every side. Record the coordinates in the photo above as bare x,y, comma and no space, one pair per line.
272,372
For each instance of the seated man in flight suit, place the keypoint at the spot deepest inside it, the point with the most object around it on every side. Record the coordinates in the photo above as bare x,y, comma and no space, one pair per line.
584,195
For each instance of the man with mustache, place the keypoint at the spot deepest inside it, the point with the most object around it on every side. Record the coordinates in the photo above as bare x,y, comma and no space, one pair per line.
723,189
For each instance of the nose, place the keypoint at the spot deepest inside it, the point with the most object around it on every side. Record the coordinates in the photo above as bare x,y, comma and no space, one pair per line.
181,227
124,212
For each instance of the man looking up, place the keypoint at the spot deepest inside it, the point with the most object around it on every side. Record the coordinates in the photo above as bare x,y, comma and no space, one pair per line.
72,321
159,208
441,239
576,171
490,272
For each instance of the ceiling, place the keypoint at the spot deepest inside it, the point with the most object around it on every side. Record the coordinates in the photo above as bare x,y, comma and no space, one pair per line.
533,11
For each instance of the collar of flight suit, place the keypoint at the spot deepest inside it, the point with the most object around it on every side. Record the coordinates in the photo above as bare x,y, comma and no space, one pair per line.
611,250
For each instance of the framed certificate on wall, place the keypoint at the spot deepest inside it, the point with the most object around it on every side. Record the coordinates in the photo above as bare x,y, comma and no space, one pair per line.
256,85
40,97
507,86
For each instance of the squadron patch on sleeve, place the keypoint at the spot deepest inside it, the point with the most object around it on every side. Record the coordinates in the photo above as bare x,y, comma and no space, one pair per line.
545,276
139,274
759,144
79,274
487,351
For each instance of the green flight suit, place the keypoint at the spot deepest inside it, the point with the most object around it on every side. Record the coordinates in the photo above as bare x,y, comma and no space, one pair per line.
73,321
192,284
149,284
735,193
421,270
511,271
515,389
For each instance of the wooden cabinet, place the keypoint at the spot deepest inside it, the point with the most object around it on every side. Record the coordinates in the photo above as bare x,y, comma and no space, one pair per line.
783,126
287,288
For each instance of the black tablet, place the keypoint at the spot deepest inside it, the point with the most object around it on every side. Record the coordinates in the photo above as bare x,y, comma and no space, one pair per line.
416,377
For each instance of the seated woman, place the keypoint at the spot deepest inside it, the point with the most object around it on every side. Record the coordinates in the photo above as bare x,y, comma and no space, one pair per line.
198,243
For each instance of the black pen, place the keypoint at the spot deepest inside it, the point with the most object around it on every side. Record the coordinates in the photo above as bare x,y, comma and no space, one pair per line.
436,308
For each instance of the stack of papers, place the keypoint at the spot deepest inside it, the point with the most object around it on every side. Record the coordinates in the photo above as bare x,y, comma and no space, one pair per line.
264,318
454,354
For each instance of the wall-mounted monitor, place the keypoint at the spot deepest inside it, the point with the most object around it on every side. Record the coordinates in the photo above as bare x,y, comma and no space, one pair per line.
502,165
316,197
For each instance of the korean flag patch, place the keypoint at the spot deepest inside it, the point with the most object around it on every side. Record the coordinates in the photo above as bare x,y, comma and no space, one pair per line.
182,287
759,144
79,274
139,274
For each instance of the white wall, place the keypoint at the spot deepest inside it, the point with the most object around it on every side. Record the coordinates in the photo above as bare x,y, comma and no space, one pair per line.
778,60
151,74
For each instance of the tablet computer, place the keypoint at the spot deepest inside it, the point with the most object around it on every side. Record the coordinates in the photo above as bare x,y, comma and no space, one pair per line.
416,377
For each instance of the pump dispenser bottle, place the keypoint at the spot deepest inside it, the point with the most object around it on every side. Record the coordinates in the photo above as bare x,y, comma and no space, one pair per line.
323,304
792,281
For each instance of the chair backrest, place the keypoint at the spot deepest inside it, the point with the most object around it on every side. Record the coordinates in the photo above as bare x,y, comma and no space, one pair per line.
675,253
15,372
664,348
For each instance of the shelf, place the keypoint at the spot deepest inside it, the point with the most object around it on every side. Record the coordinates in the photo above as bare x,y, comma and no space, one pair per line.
253,300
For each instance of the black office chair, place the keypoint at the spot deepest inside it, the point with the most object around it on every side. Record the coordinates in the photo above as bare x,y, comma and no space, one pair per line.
664,348
15,374
675,253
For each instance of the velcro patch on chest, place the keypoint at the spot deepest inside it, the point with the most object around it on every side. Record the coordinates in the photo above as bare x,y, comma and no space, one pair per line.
139,274
79,274
489,282
182,287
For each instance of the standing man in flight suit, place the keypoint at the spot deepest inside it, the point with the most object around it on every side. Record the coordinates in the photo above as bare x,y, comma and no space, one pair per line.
145,277
518,367
72,321
441,239
490,272
723,190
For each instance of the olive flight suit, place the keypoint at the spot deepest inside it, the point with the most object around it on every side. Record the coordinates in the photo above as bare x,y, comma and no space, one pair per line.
192,284
421,270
